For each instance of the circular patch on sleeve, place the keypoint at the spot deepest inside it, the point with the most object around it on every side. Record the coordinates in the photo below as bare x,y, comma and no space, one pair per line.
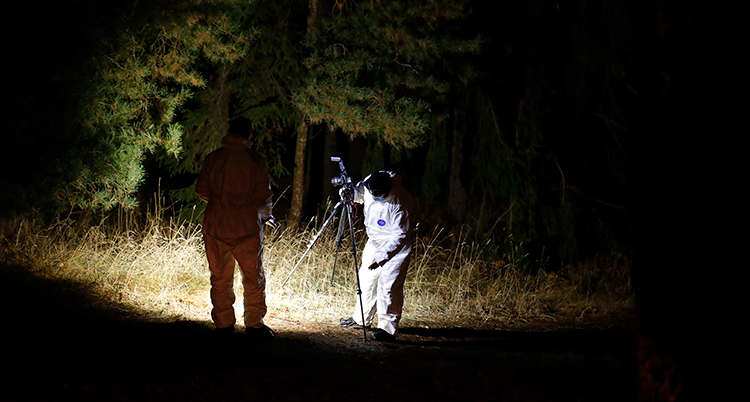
381,222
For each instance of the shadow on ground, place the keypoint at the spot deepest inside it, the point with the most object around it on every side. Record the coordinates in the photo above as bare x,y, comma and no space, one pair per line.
62,344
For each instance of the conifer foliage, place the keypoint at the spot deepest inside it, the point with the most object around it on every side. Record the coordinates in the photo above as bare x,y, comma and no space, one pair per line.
375,67
365,68
107,94
150,73
256,87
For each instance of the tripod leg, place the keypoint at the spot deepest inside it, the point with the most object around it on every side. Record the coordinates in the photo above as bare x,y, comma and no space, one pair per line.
336,209
339,240
356,268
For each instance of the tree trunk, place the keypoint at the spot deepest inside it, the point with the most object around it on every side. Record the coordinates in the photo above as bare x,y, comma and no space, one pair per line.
436,159
330,169
298,184
218,125
457,193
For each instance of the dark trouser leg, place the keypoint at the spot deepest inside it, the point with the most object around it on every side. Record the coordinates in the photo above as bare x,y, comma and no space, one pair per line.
249,254
221,264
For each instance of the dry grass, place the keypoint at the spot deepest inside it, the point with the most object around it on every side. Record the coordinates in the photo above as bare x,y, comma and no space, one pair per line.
161,270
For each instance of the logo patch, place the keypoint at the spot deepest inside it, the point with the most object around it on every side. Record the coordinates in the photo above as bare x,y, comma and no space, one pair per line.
381,222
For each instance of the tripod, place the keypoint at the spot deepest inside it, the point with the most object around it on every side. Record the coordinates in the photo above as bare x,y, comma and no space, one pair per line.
344,208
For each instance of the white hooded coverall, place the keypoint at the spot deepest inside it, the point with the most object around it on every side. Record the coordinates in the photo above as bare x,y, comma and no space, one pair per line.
390,235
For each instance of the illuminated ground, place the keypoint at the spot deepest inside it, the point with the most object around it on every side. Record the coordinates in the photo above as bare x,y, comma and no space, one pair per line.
61,348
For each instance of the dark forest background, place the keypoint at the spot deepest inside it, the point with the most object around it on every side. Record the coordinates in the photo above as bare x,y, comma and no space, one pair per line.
513,119
571,129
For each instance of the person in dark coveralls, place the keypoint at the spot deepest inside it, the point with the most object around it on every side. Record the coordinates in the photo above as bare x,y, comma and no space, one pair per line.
234,181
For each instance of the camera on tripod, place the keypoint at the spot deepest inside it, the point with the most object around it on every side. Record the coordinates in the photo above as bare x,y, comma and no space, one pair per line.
343,178
346,209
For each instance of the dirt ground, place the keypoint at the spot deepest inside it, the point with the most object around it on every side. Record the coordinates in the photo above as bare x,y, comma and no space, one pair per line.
61,348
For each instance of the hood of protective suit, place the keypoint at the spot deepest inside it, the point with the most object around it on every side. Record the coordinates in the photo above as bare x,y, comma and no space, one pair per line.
390,222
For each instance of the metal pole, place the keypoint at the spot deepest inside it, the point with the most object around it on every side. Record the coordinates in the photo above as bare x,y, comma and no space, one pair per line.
356,268
339,242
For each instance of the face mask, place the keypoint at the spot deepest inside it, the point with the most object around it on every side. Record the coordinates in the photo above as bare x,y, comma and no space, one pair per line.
378,198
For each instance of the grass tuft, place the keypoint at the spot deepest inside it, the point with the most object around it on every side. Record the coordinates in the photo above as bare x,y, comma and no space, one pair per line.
161,271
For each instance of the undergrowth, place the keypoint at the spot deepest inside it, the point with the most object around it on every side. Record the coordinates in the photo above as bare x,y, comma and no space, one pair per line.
160,271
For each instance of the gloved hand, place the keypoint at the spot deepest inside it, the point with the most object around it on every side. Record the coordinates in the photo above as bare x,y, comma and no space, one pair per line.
345,193
271,221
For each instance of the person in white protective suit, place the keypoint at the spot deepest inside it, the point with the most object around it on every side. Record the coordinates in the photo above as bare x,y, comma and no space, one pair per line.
388,210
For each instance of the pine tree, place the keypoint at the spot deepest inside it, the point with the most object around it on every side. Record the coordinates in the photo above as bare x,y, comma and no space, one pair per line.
378,68
117,75
375,67
344,77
